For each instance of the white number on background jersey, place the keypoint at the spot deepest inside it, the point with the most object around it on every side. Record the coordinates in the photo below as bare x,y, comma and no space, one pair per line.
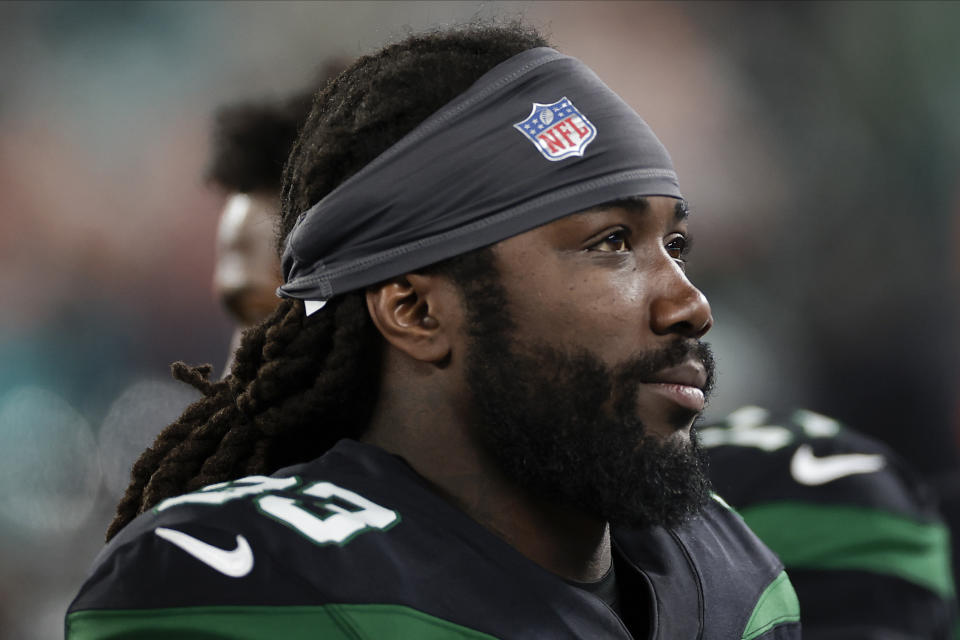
747,427
324,513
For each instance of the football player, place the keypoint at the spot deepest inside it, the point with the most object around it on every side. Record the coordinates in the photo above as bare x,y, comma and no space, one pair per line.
250,143
471,415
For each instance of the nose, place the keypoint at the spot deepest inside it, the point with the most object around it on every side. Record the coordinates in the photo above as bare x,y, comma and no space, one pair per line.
680,308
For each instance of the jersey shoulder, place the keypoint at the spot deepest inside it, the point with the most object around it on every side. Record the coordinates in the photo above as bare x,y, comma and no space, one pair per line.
310,552
353,544
228,544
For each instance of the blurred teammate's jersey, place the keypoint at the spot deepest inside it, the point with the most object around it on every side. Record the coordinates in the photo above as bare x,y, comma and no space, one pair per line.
859,533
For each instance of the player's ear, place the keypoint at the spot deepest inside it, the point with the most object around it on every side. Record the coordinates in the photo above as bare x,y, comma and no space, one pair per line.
414,313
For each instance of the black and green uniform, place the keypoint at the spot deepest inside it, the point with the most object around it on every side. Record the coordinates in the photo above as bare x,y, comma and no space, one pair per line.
355,545
858,532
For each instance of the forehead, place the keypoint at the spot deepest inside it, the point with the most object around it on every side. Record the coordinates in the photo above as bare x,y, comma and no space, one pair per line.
661,208
248,218
642,204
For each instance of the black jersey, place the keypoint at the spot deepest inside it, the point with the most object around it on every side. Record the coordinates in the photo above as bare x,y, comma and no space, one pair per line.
356,545
857,530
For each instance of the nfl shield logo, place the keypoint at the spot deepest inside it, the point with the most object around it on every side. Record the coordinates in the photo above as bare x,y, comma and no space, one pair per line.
557,130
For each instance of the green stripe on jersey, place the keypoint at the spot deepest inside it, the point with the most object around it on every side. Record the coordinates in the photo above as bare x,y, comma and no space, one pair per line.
331,622
723,503
777,605
812,536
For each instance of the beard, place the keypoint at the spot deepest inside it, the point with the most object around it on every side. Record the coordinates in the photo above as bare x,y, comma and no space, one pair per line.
564,426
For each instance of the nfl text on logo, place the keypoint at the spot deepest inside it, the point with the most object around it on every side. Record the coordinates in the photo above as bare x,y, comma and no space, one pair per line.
558,130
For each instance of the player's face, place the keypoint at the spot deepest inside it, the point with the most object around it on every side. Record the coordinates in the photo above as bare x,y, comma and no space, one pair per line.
611,283
584,366
247,270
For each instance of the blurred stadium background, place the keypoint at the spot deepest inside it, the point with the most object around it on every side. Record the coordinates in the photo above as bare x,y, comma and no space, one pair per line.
819,145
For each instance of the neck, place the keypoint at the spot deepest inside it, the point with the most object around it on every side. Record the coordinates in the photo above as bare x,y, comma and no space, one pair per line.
423,428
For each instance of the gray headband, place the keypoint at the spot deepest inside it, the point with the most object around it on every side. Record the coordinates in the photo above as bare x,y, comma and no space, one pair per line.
535,139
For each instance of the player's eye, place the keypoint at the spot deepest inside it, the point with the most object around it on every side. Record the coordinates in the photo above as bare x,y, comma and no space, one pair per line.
678,247
614,242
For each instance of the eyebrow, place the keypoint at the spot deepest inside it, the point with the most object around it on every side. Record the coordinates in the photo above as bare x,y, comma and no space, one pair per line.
633,204
639,204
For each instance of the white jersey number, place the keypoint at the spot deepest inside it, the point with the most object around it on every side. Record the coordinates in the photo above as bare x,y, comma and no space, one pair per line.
336,523
322,512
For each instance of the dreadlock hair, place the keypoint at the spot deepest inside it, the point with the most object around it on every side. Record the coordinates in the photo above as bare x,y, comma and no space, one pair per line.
299,384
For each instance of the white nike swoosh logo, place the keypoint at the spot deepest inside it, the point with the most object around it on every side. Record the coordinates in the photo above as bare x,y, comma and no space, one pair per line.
235,563
810,470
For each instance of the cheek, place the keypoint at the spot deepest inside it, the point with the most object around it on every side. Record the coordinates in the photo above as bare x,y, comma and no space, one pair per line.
230,272
604,315
266,267
236,270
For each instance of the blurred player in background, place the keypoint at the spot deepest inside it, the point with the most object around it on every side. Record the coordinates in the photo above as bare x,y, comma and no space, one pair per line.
250,144
859,533
486,378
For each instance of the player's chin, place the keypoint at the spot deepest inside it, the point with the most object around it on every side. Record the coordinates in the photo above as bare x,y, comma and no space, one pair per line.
672,425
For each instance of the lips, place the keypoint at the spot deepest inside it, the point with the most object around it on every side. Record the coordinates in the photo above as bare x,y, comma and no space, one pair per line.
688,374
683,385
